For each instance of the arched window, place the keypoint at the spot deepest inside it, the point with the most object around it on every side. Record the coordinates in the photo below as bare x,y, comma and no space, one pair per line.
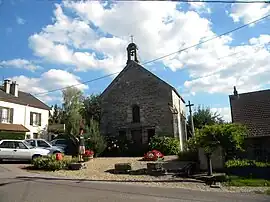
136,114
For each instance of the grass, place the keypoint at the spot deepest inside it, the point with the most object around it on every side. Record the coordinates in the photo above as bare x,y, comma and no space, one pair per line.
250,182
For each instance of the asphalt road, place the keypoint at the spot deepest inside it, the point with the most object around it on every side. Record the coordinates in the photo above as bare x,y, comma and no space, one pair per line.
26,187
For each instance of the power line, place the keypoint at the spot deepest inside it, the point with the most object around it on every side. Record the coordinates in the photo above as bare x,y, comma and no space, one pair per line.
173,53
220,1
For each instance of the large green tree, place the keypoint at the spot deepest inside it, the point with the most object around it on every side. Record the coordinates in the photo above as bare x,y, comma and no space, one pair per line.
72,106
91,109
57,117
204,116
210,137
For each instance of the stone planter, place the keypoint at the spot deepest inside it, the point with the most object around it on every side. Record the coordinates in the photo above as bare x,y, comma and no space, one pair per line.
122,168
77,166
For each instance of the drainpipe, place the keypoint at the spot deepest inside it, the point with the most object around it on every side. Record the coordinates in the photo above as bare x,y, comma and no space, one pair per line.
25,115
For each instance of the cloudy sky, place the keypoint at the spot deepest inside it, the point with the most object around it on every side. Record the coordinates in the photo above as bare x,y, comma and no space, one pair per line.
48,44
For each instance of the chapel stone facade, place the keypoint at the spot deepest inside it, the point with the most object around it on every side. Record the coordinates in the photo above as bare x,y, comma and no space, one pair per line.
138,105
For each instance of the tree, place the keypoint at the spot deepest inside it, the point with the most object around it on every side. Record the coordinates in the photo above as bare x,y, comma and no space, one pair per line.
92,109
204,116
72,106
57,117
93,139
210,137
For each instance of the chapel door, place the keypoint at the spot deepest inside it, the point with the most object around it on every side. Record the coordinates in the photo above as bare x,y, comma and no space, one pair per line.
137,136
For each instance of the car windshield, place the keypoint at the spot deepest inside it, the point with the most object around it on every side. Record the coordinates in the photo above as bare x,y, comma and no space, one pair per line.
28,145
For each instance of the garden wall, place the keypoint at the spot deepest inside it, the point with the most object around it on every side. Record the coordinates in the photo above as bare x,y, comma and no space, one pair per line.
217,158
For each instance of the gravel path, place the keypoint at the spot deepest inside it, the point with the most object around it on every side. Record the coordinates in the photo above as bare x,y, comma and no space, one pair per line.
96,171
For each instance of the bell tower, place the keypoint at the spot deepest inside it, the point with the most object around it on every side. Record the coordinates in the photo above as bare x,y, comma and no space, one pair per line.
132,52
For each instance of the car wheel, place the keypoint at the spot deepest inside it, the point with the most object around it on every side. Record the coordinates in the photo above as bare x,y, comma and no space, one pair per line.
35,156
1,160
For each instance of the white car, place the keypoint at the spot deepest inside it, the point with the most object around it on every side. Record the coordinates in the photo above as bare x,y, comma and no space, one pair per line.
20,150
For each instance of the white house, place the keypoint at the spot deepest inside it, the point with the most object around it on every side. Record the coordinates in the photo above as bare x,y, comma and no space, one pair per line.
21,112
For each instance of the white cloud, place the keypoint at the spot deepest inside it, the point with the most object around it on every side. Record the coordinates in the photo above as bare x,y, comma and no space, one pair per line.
225,112
19,63
50,80
248,12
72,41
20,20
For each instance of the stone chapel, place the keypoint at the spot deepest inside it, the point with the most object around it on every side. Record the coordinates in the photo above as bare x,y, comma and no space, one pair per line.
138,104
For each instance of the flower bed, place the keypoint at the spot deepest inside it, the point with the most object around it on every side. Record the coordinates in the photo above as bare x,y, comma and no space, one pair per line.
153,155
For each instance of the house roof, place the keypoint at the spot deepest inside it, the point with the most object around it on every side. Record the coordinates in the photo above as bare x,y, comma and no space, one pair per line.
130,65
252,109
22,99
13,127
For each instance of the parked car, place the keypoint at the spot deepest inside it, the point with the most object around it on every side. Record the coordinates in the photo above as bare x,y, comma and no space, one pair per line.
62,143
20,150
41,143
66,144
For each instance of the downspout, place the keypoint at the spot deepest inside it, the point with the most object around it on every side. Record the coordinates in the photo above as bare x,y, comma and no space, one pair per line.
25,115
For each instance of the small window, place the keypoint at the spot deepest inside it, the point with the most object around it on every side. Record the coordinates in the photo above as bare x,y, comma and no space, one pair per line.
7,144
35,135
35,119
19,145
42,143
136,114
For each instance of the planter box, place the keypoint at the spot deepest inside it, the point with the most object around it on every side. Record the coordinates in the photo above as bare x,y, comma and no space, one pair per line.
122,168
254,172
155,166
76,166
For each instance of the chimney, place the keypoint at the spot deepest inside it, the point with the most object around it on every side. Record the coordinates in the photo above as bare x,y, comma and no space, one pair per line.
7,86
14,89
235,91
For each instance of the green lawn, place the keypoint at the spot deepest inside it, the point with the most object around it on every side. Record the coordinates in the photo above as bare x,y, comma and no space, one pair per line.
240,182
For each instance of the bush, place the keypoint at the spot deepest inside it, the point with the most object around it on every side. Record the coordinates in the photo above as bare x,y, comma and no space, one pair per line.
166,145
246,163
94,140
188,155
49,163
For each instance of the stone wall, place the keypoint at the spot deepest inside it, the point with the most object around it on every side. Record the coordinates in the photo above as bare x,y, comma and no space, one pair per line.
141,87
217,159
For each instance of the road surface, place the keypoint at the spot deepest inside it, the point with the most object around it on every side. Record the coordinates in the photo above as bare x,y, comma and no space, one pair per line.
21,186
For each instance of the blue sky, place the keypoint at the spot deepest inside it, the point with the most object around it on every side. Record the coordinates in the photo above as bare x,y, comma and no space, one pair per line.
52,44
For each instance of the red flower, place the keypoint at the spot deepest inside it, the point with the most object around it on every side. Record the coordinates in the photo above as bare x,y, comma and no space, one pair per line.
89,153
153,155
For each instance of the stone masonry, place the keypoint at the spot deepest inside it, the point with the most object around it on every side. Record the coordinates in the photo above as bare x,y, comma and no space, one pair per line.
135,85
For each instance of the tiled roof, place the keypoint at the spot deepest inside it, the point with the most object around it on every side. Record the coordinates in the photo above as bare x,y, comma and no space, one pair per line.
22,99
253,110
13,127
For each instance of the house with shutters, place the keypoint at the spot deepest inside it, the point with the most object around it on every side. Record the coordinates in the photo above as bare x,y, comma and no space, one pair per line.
138,104
21,114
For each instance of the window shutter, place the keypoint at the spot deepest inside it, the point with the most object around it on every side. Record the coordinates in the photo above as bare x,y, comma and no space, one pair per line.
39,119
11,111
31,118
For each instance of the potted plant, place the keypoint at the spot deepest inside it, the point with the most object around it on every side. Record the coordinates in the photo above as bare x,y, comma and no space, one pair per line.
89,154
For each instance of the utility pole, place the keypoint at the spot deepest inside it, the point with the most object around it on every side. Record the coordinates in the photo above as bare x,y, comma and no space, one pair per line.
191,117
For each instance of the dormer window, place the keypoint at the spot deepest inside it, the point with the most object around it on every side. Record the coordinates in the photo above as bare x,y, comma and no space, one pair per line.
136,114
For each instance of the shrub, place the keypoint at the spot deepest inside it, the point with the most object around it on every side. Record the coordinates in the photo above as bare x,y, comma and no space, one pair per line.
93,139
166,145
188,155
246,163
49,163
153,155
